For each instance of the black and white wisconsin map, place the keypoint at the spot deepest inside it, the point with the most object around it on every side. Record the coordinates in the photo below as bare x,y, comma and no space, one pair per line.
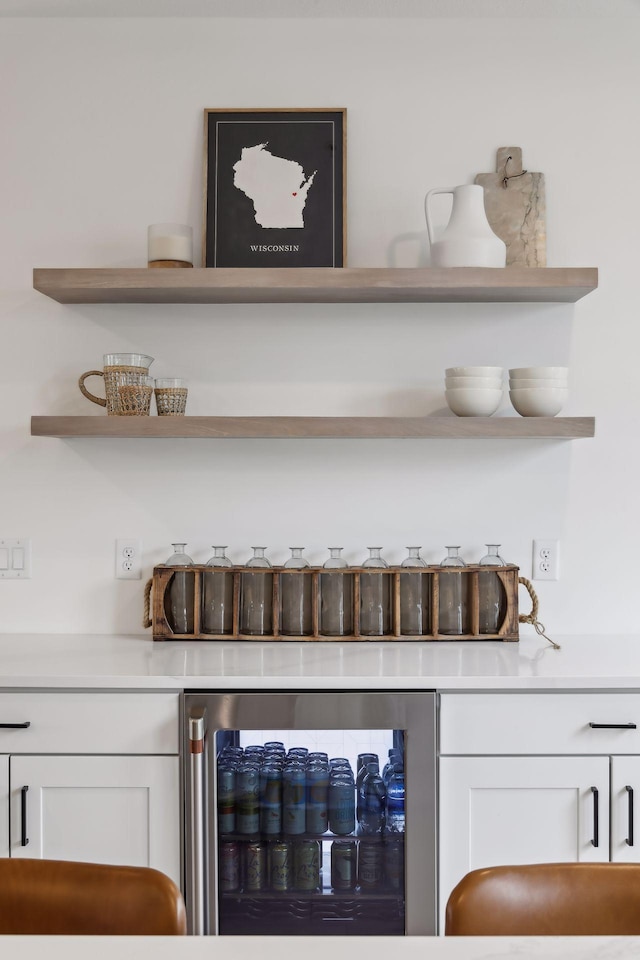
276,186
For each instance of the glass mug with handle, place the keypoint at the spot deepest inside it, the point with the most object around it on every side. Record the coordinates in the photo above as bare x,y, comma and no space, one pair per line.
120,369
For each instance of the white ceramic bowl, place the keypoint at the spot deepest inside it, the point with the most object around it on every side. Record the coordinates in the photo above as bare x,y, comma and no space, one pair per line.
473,401
494,383
474,372
535,373
538,402
519,384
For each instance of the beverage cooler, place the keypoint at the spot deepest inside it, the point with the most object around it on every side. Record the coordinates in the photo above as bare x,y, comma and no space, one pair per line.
310,813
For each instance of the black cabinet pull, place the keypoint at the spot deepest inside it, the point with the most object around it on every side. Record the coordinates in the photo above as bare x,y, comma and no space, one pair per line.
594,791
613,726
15,726
629,840
25,839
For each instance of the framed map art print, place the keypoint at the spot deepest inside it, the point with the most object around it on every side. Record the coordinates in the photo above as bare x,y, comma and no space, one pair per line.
274,188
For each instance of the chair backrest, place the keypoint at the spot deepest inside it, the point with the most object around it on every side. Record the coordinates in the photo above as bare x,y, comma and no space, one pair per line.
63,897
547,899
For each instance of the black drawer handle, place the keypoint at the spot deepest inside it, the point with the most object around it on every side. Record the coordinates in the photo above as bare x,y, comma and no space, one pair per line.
613,726
15,726
594,791
25,839
629,840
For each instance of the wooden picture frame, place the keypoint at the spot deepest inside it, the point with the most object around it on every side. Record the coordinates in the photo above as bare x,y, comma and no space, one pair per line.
274,187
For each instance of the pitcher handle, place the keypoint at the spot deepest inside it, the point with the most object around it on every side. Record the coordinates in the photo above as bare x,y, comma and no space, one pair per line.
85,392
427,213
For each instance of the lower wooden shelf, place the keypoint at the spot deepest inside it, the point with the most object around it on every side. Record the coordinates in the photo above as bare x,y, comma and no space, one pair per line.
420,428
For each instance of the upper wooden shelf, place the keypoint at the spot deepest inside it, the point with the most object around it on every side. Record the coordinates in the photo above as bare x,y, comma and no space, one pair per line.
317,285
425,428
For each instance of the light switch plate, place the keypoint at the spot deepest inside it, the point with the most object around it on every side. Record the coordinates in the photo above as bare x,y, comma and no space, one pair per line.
15,559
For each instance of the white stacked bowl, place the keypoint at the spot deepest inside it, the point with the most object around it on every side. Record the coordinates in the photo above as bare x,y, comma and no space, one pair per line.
538,391
473,391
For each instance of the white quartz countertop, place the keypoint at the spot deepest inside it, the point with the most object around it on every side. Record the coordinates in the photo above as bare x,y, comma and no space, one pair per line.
318,948
137,662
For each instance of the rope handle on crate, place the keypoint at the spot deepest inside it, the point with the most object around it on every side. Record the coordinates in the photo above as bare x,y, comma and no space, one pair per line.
146,617
532,617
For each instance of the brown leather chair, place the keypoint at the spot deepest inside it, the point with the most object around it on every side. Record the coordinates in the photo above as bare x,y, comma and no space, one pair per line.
62,897
547,899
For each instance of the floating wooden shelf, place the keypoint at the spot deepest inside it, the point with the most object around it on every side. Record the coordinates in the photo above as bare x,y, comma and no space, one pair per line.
424,428
317,285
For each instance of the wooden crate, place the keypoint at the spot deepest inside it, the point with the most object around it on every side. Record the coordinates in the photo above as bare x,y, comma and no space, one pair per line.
163,575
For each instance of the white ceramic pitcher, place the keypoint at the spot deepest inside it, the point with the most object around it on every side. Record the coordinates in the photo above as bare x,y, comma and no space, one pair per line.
468,240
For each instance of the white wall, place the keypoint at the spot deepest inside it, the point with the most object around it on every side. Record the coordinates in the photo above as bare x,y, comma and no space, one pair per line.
101,135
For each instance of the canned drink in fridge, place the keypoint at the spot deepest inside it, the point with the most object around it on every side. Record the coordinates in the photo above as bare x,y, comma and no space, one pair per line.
394,865
370,866
255,866
270,800
229,867
226,799
306,865
280,866
317,819
344,865
293,803
248,799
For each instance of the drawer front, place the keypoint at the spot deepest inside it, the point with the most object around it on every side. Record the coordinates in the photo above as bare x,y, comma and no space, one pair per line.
544,723
89,723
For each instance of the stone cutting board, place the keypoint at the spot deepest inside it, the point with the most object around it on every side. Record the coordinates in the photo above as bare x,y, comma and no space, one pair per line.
517,210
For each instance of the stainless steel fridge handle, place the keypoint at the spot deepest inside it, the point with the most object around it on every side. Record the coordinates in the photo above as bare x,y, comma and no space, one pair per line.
196,772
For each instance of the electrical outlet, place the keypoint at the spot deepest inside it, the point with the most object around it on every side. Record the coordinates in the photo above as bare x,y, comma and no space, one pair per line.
546,560
128,560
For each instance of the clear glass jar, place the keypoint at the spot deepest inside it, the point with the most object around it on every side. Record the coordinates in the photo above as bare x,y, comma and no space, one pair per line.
295,597
375,597
492,598
256,596
336,597
179,599
415,597
217,595
453,605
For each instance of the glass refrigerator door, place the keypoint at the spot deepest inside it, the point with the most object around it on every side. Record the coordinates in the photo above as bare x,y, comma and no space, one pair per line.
310,831
307,818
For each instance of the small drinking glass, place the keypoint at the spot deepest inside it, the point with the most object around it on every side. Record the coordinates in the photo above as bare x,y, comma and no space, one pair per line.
375,597
336,597
415,597
256,592
453,615
217,594
492,599
179,599
295,597
171,397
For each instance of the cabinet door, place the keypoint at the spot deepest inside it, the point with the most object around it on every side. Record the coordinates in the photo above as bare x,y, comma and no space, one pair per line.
98,809
625,808
508,810
4,806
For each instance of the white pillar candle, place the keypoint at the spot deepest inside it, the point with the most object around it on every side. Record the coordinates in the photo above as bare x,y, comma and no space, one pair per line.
170,241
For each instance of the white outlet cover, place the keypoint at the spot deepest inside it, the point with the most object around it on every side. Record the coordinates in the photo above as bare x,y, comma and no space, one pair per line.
545,560
15,559
128,559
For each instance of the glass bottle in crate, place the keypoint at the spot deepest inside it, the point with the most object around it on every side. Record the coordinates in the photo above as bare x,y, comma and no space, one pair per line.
217,594
180,594
415,599
295,597
453,606
492,599
256,596
375,597
336,597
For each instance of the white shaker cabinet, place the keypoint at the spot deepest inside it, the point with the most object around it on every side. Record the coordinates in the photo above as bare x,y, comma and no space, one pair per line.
4,806
91,776
97,809
535,778
507,810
